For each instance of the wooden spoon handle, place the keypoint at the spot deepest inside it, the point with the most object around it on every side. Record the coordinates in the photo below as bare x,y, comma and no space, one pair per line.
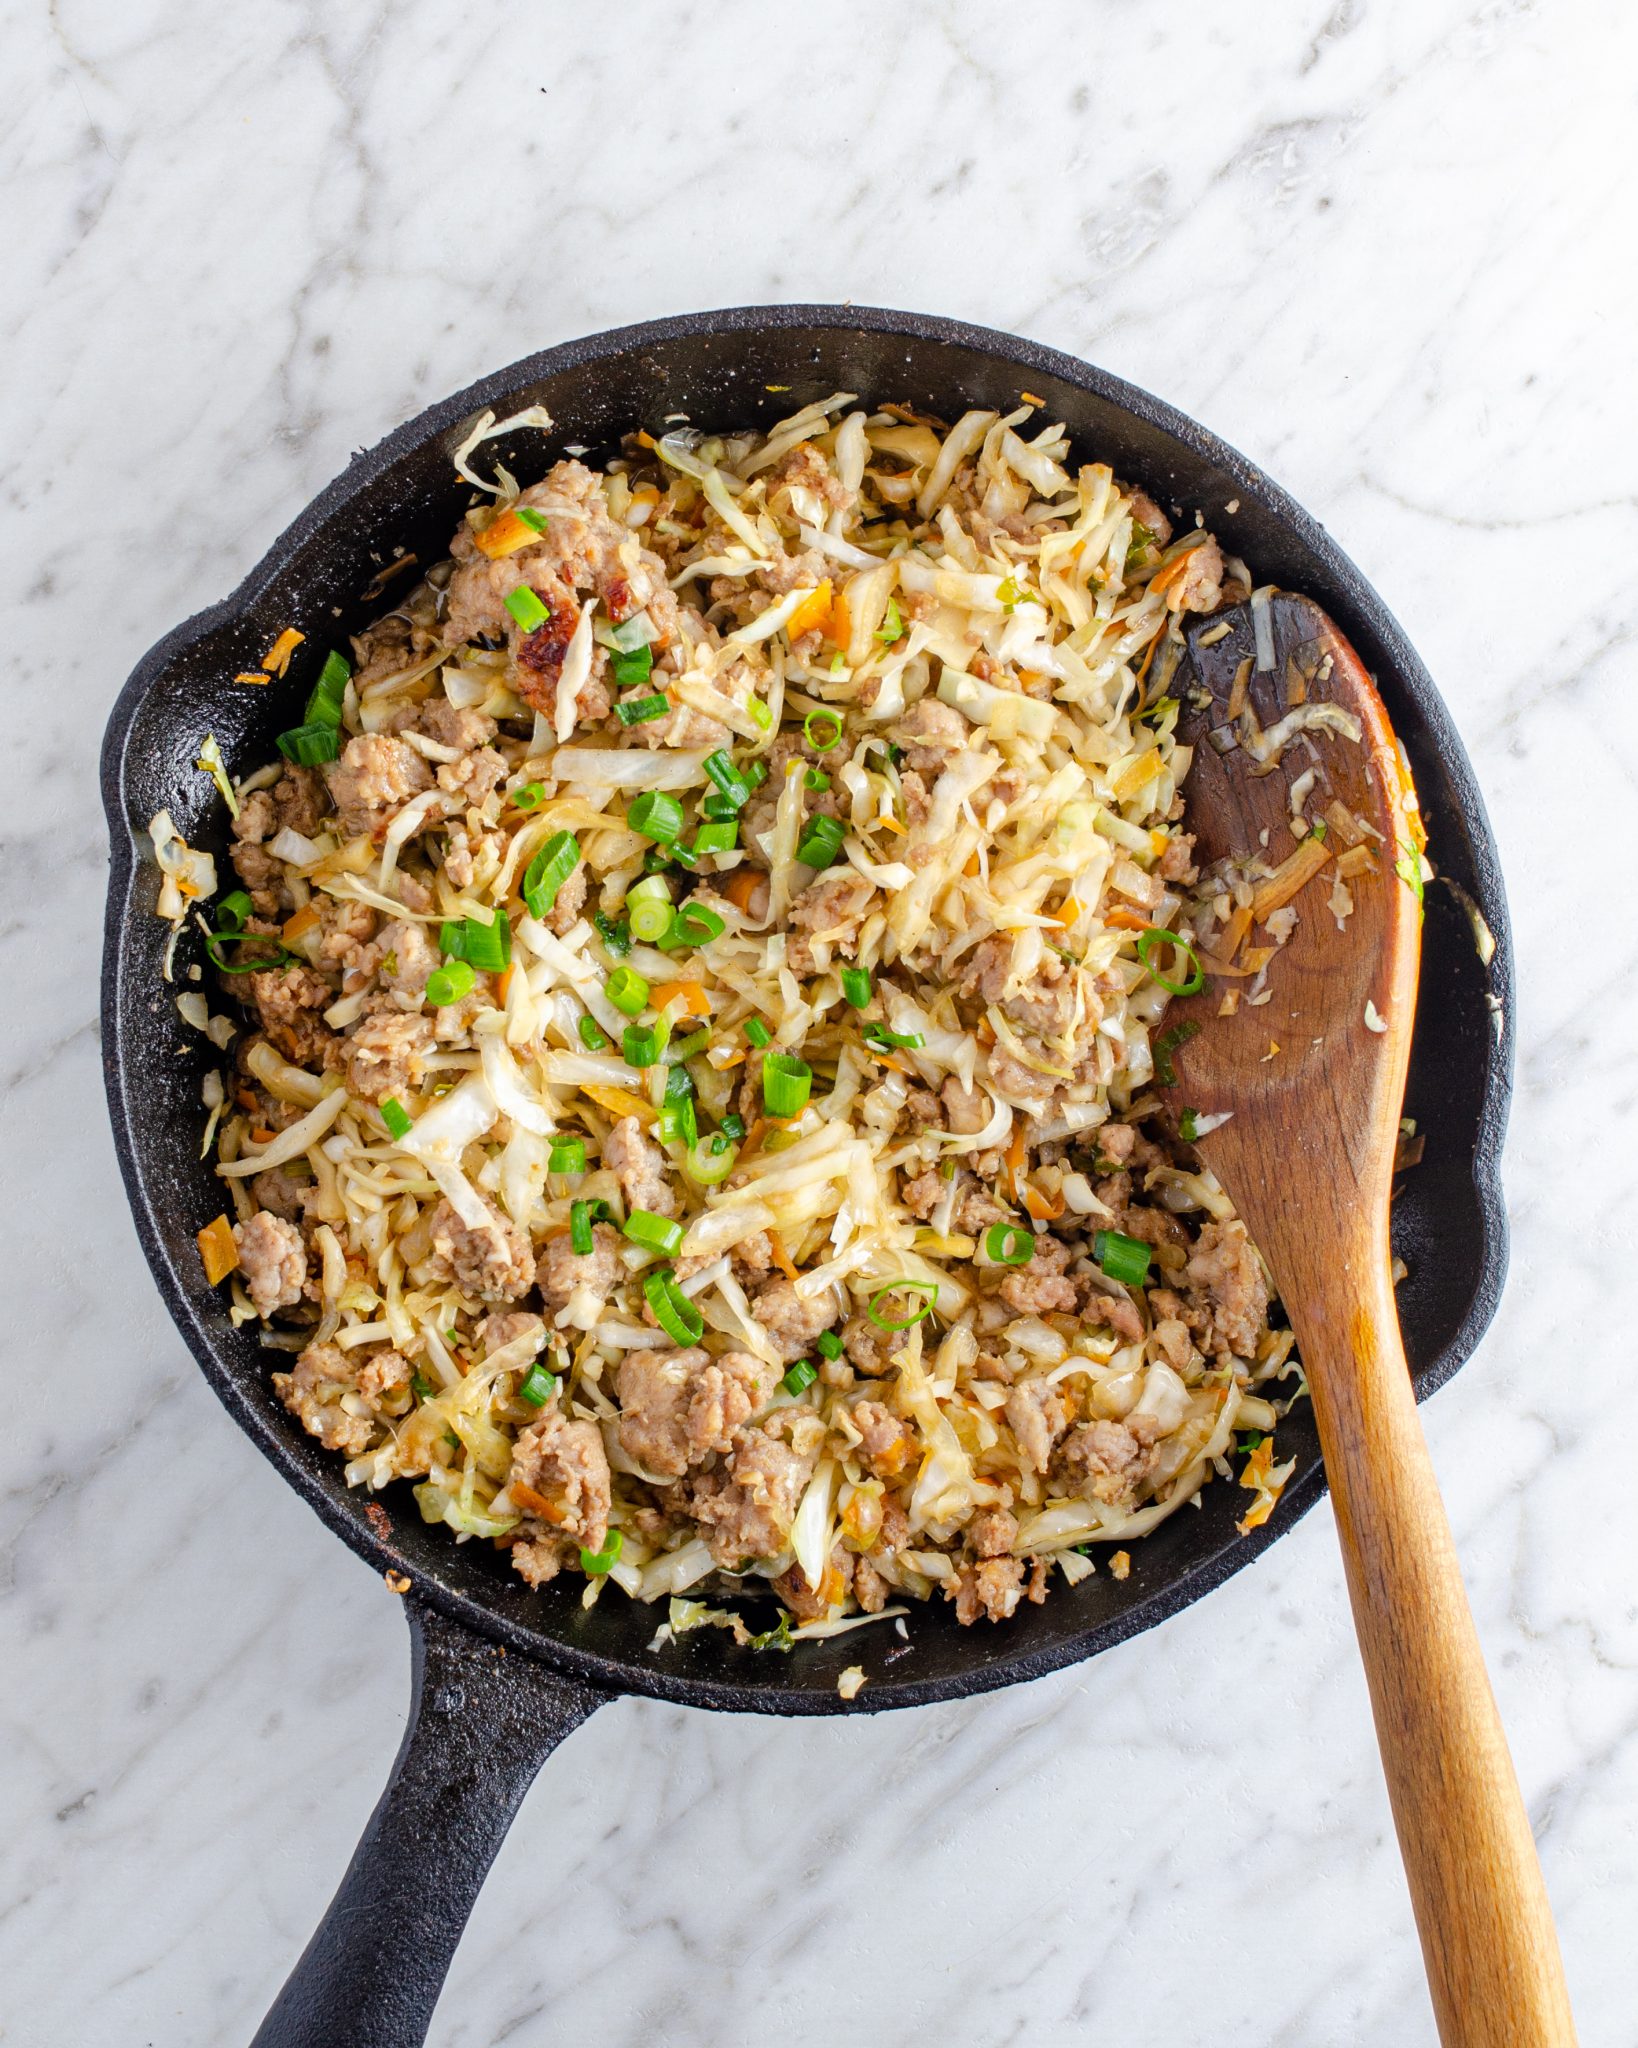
1487,1931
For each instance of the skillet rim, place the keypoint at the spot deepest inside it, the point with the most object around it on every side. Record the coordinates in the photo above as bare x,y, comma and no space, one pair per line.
345,1515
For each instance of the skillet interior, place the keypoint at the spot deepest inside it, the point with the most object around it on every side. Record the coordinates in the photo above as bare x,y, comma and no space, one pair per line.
716,367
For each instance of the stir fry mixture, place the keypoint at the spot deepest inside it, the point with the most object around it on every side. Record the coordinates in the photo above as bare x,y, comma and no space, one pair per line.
706,955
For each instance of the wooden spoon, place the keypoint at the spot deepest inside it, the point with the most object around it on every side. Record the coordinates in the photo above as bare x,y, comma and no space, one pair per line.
1314,1078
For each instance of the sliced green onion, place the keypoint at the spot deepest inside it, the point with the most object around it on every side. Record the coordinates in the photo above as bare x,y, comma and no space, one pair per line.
679,1124
632,668
821,842
697,925
1166,1044
537,1385
421,1386
927,1289
721,836
526,608
857,986
733,786
710,1160
756,773
1188,1125
263,963
800,1377
526,515
1007,1245
592,1035
679,1085
733,1126
568,1155
548,871
787,1082
719,808
528,796
641,1045
1150,942
639,710
685,1048
310,745
648,909
757,1032
893,1041
231,913
627,991
580,1229
816,779
673,1311
597,1564
447,984
396,1117
657,816
892,625
324,705
654,1233
614,932
760,714
822,730
487,946
1125,1259
829,1343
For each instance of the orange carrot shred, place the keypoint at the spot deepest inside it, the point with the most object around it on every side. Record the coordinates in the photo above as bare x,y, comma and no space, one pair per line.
217,1249
782,1258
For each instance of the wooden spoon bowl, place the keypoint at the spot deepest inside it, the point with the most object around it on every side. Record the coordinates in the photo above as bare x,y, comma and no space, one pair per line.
1306,1056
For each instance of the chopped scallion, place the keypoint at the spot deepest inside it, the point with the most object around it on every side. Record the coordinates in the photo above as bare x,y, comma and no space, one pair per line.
396,1117
568,1155
822,729
526,608
892,625
654,1233
1150,942
449,983
592,1035
720,836
528,796
787,1082
639,710
816,779
829,1343
310,745
537,1385
657,816
597,1564
548,871
858,987
760,714
800,1377
732,785
893,1041
526,515
821,842
632,668
1007,1245
757,1032
673,1311
926,1289
641,1045
733,1126
581,1241
1123,1258
627,991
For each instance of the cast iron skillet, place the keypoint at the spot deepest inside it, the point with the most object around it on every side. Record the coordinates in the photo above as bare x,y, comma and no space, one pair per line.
502,1674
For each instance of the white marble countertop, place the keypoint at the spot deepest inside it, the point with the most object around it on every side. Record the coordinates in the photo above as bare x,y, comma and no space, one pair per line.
1375,243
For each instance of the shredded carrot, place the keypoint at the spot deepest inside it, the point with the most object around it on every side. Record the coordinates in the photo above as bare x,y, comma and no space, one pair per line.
1237,691
535,1503
741,886
252,675
246,1099
644,438
1015,1161
1298,867
892,825
1171,572
1125,920
972,867
217,1249
502,986
505,534
303,921
1039,1207
261,1134
838,621
1067,912
619,1101
811,613
695,1002
1137,774
277,658
1029,398
1144,669
781,1257
888,1060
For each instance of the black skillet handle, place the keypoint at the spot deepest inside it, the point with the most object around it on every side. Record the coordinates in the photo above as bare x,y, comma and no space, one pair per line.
481,1724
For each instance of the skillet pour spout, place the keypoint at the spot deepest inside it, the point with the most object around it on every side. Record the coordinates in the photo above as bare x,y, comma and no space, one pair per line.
484,1721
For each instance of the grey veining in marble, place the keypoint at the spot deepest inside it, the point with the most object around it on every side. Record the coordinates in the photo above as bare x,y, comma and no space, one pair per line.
1383,246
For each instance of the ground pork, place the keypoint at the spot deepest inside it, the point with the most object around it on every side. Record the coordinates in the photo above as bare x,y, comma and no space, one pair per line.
1112,1307
493,1261
1225,1275
1108,1461
992,1588
885,1444
560,1478
968,1109
870,1589
869,1347
281,1192
746,1506
325,1377
639,1165
1038,1414
345,930
1148,514
505,1327
290,1002
805,469
451,725
992,1532
929,732
386,1055
1200,587
374,779
677,1407
1176,864
1030,1293
469,778
791,1322
273,1260
403,957
828,913
561,1269
571,897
